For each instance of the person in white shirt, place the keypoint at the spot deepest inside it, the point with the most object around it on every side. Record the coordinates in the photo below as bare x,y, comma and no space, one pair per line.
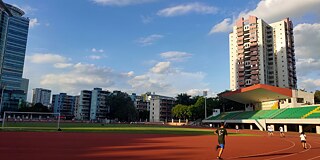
303,139
281,131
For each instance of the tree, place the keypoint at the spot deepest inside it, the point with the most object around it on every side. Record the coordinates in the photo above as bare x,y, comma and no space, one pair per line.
181,111
183,99
317,97
144,115
121,107
38,107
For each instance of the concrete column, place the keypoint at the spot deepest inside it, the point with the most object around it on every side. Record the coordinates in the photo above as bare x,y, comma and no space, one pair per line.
318,129
300,128
179,120
272,126
172,120
285,128
251,127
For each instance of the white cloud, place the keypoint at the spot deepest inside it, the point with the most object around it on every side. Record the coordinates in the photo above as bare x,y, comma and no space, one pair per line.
186,9
130,74
307,40
274,10
175,55
62,65
160,67
95,57
199,92
309,84
149,40
79,77
146,19
46,58
33,22
307,50
172,83
120,2
223,26
94,50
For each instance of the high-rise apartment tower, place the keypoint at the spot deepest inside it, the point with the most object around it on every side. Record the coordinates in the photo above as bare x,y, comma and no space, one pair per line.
262,53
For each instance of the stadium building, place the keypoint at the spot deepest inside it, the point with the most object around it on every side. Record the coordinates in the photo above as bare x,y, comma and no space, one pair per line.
263,79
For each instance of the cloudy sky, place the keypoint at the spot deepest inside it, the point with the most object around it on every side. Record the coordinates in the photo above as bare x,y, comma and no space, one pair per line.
163,46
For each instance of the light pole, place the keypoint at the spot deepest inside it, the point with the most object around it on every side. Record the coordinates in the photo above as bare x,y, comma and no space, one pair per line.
205,103
2,90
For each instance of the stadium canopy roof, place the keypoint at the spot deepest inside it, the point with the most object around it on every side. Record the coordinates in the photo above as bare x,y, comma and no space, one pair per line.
258,93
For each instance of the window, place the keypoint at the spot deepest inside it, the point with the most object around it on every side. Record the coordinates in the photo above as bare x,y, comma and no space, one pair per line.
289,100
300,100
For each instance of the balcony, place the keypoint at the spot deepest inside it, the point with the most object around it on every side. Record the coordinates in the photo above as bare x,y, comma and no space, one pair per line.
252,44
255,82
254,72
254,77
254,53
254,49
254,58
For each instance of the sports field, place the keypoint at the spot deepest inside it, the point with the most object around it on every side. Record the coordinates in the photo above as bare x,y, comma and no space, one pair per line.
142,142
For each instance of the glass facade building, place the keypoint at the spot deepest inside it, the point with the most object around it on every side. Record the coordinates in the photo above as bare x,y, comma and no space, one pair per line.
13,40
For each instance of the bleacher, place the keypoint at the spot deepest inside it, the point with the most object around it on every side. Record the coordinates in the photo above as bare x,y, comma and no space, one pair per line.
287,113
295,113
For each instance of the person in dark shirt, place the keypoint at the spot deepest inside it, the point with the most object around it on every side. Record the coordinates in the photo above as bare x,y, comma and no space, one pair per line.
221,132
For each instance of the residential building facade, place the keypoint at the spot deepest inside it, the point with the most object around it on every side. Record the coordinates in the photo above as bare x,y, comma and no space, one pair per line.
63,104
262,53
160,107
99,107
40,95
93,105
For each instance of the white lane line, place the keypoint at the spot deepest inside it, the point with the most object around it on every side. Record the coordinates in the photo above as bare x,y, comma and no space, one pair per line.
314,158
292,153
261,154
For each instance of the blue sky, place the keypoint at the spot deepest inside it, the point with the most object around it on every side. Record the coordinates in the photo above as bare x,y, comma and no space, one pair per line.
163,46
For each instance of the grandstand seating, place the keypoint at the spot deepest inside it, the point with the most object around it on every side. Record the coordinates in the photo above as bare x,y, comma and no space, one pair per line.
314,115
295,112
287,113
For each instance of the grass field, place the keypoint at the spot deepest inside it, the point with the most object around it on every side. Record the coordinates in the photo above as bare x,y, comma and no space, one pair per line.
111,128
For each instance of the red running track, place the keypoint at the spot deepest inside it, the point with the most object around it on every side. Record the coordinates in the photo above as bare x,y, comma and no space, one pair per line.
107,146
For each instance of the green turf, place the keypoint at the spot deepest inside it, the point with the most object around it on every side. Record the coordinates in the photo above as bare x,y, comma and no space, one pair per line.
111,128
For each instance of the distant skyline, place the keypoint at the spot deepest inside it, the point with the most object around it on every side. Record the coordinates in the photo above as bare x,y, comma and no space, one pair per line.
163,46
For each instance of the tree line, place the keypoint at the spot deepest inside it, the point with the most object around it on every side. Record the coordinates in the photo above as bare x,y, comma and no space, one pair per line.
193,108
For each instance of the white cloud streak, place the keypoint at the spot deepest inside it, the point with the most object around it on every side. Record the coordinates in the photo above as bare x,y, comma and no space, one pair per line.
149,40
223,26
94,50
46,58
120,2
160,67
175,55
186,9
33,22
